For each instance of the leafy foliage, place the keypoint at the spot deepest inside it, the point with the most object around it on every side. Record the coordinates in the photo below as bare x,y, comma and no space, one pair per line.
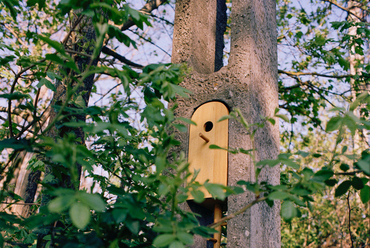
52,66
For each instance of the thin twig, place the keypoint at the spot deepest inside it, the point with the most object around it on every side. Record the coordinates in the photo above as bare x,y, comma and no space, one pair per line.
151,42
321,95
242,210
47,110
104,95
349,220
292,73
78,53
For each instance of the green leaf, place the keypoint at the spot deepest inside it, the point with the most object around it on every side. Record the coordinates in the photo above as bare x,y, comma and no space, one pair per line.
60,203
278,195
186,238
63,61
21,144
344,167
163,189
163,226
269,162
204,231
176,244
1,240
300,191
10,5
364,165
160,163
253,187
53,75
288,211
14,96
163,240
121,37
80,214
342,188
271,120
54,44
80,102
6,60
94,201
365,194
225,117
47,83
350,120
186,120
297,201
198,196
238,190
248,152
290,163
334,124
181,197
119,215
331,182
345,64
283,117
303,154
216,190
323,175
182,128
357,183
133,226
213,146
32,3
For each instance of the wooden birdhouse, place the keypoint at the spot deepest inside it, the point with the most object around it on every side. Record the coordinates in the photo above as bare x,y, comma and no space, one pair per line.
211,162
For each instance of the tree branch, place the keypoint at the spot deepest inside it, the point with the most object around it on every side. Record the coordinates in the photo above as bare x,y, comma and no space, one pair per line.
18,203
240,211
349,220
121,58
162,19
348,10
348,173
294,86
146,9
12,90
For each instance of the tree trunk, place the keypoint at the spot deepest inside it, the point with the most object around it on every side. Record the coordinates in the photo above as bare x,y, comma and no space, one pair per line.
249,83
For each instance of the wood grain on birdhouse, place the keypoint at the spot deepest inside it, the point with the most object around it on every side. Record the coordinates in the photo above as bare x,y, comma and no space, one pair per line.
211,162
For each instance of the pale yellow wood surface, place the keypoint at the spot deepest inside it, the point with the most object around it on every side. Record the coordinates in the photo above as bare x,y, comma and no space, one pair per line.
211,162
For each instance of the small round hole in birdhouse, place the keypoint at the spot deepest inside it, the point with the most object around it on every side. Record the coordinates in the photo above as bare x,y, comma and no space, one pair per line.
208,126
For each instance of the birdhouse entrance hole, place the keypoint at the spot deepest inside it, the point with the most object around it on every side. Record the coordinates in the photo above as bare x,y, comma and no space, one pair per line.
208,126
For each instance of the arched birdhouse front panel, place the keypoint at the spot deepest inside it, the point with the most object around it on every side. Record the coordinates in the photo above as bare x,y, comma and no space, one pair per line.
211,162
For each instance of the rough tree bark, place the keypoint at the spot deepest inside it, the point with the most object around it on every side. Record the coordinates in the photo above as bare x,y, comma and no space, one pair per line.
248,82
